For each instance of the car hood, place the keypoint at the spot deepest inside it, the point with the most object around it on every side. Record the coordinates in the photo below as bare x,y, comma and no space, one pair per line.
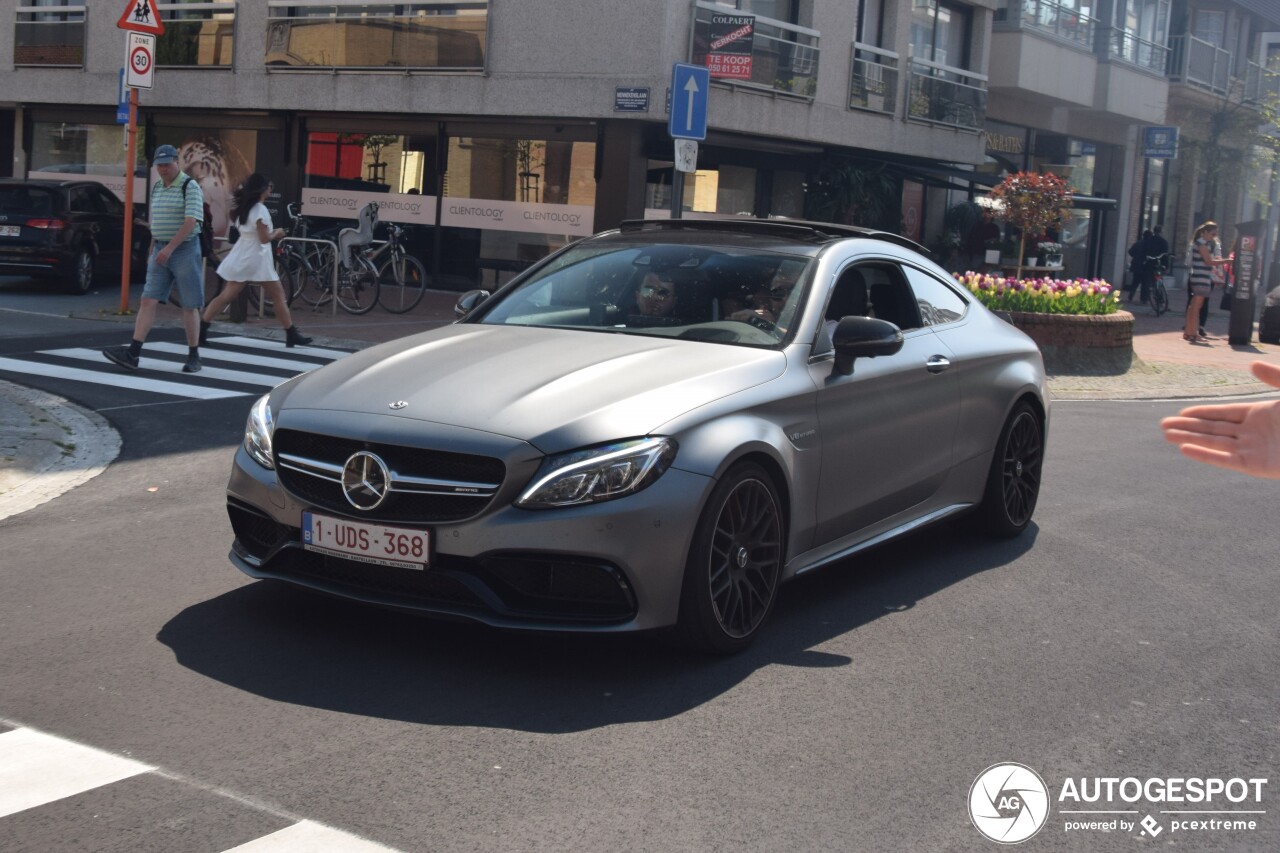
554,388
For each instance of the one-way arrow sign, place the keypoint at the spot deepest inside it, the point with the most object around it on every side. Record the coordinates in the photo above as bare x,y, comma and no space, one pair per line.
690,86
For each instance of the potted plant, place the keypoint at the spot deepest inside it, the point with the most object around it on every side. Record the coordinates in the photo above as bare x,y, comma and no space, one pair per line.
1032,202
1050,253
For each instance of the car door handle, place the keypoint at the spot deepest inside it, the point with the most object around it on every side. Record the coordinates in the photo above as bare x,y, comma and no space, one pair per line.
937,364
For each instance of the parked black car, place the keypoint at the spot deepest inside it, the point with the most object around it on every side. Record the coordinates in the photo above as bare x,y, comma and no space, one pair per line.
70,230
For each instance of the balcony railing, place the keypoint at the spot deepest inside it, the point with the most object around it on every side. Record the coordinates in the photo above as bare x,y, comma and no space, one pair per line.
1261,85
359,35
873,83
940,94
197,35
1056,19
783,57
49,35
1198,63
1124,45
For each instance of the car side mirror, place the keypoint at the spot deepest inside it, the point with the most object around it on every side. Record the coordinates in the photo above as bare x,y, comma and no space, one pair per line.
469,301
863,337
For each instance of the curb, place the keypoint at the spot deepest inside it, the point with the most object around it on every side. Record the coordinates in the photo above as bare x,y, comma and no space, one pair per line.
50,446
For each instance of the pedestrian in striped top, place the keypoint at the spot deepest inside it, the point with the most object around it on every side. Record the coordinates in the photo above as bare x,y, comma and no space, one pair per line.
1201,279
177,209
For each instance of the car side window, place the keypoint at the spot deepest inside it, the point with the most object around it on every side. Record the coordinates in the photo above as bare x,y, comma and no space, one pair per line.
938,302
889,297
84,201
109,203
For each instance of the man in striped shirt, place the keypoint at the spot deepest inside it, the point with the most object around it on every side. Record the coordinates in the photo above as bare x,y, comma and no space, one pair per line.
177,209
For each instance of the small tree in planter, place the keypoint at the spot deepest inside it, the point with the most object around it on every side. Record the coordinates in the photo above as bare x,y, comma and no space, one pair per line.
1031,202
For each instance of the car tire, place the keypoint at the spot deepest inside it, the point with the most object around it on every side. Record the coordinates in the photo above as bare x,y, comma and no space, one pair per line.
80,279
735,563
1013,483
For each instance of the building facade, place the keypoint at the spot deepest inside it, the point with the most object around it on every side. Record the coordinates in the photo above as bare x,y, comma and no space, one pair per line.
500,130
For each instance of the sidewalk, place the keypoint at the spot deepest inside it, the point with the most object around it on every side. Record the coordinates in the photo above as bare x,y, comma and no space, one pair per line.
48,445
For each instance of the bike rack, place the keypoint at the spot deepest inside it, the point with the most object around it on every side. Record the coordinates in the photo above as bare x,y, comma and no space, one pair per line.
333,249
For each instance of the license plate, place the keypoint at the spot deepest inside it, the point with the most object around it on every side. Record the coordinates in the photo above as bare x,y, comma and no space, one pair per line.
10,230
399,547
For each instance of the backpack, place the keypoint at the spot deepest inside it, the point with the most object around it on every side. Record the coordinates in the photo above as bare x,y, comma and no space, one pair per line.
206,227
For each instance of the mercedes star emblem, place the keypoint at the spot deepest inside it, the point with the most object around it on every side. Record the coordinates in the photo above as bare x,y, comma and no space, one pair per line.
365,480
399,404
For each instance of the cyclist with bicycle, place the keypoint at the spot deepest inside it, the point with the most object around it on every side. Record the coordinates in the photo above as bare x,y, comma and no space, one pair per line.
1155,254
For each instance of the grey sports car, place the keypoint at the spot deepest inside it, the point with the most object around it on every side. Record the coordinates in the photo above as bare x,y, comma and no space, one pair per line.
651,429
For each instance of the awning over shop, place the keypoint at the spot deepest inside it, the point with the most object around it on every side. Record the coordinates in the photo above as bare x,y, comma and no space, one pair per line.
967,180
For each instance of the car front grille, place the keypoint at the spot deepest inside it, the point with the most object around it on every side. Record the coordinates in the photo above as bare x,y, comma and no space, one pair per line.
427,486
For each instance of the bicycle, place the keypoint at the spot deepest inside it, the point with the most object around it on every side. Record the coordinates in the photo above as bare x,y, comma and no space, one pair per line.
1157,296
309,266
402,279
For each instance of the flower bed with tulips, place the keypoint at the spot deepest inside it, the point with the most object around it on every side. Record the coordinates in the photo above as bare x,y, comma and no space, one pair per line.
1042,295
1077,324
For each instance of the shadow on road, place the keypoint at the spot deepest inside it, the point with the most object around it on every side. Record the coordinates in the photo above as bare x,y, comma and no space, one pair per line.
293,646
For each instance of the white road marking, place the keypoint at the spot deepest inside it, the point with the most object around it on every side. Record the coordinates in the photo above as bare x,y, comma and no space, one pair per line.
210,354
36,768
240,376
117,378
261,343
308,837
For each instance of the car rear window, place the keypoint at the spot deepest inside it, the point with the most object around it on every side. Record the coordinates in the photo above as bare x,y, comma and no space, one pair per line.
27,201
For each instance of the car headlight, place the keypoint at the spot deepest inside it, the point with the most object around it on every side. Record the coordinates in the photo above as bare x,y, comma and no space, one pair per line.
257,432
599,473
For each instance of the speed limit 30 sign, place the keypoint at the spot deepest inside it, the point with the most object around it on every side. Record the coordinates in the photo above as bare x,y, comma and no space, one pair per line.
140,60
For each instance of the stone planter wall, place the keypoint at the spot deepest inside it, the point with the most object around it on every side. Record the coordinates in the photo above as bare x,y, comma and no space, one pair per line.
1081,344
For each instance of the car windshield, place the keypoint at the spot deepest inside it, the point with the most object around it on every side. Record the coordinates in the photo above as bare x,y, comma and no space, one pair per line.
719,294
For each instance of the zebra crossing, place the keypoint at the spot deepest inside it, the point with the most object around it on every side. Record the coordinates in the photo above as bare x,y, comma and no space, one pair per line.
42,771
234,366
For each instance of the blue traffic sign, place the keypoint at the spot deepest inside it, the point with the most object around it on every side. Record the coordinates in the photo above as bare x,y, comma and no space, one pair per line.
690,88
122,105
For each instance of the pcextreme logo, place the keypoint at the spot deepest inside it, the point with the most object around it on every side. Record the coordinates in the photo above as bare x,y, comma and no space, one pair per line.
1010,802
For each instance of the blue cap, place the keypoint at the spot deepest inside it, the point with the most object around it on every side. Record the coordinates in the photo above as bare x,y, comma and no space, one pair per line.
165,154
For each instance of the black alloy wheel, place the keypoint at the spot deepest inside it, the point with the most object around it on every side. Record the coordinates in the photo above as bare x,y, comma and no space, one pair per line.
80,280
1013,484
731,580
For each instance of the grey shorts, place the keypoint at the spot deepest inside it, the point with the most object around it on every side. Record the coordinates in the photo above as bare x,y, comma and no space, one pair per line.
183,271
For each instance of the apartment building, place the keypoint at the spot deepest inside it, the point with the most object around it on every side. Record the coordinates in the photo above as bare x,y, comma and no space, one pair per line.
501,129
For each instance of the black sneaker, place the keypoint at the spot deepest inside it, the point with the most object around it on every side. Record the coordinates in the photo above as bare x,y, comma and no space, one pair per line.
122,357
192,365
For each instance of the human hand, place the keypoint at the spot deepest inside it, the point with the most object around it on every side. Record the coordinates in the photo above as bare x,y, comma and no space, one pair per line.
1243,437
162,256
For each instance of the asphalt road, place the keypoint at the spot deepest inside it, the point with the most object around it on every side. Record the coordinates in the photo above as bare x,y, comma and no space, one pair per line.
1132,632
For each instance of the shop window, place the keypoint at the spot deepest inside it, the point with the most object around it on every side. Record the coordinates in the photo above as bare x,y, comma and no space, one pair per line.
62,150
411,36
49,32
788,195
509,202
723,191
196,35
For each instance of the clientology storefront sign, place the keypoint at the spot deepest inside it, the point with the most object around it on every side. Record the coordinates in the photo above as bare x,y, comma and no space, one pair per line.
392,207
576,220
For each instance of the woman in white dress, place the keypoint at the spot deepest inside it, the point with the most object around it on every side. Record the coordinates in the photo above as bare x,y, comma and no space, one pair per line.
251,260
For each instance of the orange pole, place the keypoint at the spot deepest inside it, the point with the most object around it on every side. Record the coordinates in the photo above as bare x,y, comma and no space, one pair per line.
131,158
